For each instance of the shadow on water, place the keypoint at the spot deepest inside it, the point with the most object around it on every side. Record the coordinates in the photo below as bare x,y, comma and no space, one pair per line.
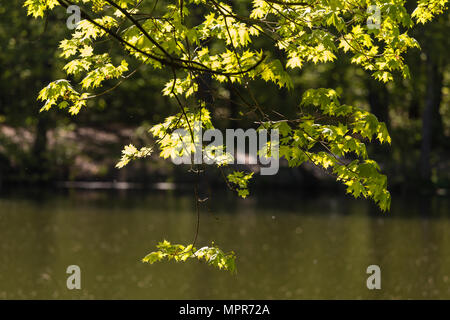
289,245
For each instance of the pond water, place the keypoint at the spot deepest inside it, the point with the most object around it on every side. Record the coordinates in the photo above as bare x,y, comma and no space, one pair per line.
289,246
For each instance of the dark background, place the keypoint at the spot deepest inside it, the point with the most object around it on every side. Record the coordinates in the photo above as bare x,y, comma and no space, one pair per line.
54,147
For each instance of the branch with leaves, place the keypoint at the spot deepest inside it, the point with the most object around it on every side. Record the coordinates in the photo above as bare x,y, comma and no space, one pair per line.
270,41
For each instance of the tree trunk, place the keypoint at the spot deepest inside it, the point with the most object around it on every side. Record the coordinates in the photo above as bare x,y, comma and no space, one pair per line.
40,147
431,120
378,98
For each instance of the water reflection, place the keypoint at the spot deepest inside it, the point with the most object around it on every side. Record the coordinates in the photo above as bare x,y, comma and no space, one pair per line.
289,246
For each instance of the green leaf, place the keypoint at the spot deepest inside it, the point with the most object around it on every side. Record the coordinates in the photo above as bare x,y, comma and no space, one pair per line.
212,255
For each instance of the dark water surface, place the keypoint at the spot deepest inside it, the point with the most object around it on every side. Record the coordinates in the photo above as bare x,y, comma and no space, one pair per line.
288,246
